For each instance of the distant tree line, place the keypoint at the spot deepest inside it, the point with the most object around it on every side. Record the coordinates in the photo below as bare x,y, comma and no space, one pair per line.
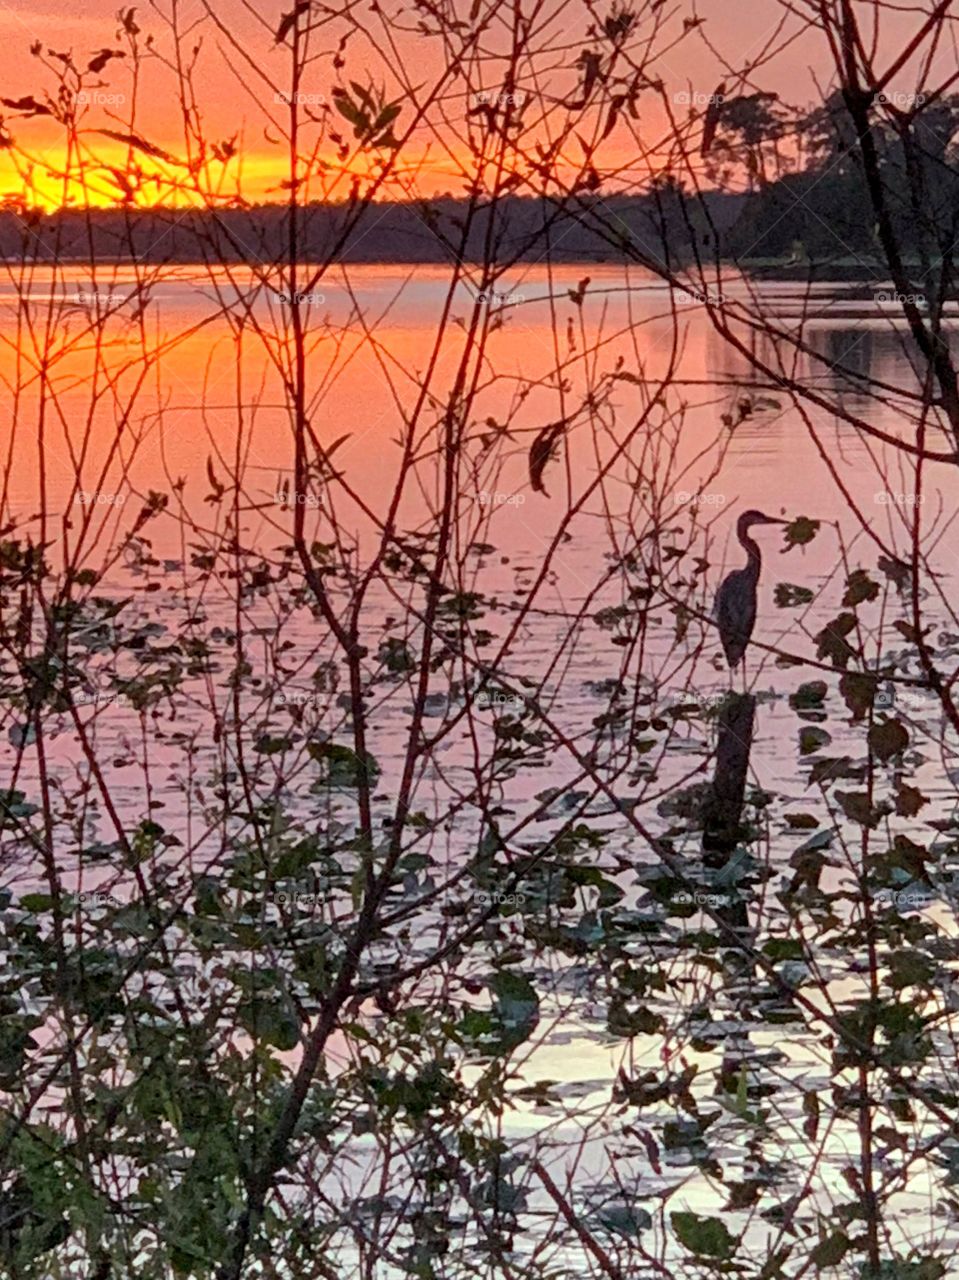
663,223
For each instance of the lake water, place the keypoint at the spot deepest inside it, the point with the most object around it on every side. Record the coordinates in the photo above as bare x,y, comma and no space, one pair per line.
211,410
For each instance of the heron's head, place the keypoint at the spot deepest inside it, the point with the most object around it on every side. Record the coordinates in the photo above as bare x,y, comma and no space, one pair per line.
749,518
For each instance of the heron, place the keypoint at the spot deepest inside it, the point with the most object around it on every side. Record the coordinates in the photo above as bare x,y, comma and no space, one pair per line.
736,597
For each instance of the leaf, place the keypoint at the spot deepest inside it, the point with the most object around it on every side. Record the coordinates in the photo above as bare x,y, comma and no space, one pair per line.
855,805
888,739
831,641
909,800
28,104
788,596
364,95
386,117
624,1219
97,63
910,857
22,735
858,693
36,903
343,767
705,1237
578,294
810,694
714,111
395,655
611,118
897,571
800,533
541,451
141,144
831,1251
812,739
772,1268
516,1005
270,1021
218,489
350,111
821,840
267,745
909,968
810,1106
801,821
288,21
859,588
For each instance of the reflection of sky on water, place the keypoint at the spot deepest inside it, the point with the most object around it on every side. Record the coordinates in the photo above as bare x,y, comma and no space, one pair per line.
771,463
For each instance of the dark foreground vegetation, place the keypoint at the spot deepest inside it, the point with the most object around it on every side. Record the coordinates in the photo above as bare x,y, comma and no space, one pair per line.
392,885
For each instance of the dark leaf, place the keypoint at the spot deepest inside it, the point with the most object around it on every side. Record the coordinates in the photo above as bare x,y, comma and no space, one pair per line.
812,739
141,144
541,452
289,20
888,739
831,1251
705,1237
800,532
909,800
831,641
29,105
788,596
858,692
855,805
859,589
712,117
100,60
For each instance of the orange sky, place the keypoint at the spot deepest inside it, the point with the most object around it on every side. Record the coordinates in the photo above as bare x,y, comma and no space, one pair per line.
233,101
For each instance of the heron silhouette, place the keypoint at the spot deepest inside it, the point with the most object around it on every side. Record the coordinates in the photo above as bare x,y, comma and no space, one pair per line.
736,597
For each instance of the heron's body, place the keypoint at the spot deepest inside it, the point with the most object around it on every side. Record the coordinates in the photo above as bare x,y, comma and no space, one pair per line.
736,597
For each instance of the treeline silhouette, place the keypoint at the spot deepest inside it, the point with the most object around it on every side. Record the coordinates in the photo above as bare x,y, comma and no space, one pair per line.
775,188
664,223
813,204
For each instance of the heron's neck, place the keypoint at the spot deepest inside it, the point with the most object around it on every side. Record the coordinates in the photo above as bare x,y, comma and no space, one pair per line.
751,547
